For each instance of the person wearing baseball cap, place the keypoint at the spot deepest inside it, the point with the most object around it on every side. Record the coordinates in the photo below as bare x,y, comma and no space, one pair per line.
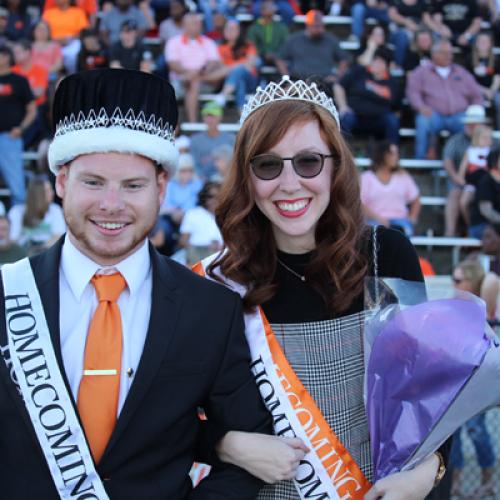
112,348
203,144
295,59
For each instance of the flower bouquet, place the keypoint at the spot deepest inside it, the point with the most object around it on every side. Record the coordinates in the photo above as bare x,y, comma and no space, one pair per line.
429,367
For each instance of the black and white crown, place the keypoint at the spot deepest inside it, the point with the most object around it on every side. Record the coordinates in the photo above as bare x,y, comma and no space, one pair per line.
114,110
287,90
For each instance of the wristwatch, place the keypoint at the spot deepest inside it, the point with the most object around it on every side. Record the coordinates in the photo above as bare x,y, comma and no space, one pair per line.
441,469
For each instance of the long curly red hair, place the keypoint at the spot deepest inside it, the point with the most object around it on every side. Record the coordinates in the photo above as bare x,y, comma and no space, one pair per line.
339,265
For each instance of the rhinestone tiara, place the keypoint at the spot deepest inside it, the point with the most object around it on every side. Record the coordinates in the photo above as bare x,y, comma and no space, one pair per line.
287,90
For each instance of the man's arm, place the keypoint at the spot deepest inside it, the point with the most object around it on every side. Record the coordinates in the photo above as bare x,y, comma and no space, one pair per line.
471,31
475,94
26,122
435,23
402,21
284,57
282,67
234,404
341,99
415,207
414,92
488,212
452,173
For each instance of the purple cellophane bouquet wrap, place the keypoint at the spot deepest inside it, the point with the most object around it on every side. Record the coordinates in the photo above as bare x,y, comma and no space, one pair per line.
429,368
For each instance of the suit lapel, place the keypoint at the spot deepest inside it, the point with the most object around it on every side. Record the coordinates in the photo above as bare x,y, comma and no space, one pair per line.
46,271
165,306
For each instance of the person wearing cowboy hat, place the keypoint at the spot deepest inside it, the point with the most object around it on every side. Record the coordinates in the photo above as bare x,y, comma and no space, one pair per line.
453,152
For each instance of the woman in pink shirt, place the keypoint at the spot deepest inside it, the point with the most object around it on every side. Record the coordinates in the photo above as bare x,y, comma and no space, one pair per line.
46,51
389,195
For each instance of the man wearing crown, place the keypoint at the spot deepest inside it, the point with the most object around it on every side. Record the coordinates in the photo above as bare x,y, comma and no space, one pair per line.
108,349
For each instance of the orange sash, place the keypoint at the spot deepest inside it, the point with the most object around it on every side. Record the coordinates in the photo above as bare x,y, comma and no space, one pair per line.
288,401
344,472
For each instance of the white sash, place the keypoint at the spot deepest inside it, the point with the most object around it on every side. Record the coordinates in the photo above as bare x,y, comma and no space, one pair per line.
43,390
314,479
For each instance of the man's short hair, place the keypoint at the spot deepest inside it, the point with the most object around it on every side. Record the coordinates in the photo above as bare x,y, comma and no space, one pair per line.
129,25
439,43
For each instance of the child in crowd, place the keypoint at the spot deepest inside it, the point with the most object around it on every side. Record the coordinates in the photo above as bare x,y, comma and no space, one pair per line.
473,167
199,233
37,224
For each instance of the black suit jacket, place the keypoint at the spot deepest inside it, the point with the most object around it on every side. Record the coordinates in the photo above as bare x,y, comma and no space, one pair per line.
195,355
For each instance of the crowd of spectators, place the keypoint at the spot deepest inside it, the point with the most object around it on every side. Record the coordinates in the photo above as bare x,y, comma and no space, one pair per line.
428,63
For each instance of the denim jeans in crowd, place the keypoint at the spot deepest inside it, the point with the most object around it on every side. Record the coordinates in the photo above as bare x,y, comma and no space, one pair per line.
205,6
386,124
401,41
433,124
360,12
243,82
476,428
11,167
403,225
477,230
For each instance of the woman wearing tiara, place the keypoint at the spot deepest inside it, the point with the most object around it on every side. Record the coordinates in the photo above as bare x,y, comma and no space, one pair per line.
297,251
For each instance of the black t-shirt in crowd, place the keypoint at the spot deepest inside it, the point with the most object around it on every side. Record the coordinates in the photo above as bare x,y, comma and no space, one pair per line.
15,94
297,302
90,59
483,70
366,95
488,189
457,14
129,58
414,59
414,12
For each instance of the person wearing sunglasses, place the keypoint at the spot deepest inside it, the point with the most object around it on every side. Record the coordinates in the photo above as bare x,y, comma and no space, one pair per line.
469,276
297,250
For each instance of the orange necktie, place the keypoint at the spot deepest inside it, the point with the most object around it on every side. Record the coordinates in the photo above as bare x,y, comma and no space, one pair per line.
100,384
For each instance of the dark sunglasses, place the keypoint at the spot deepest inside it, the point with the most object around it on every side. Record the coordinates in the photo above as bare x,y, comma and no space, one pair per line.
268,166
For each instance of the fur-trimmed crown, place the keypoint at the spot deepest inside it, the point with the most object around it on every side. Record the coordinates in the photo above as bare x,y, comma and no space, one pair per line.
287,90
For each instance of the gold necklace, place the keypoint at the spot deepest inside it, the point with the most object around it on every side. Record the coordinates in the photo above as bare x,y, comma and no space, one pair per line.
295,273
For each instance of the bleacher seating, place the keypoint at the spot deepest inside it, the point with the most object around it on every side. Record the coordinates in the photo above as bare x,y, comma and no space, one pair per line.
426,170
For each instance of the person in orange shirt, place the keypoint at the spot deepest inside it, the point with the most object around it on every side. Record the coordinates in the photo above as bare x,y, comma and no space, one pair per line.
37,75
66,22
240,60
38,78
88,6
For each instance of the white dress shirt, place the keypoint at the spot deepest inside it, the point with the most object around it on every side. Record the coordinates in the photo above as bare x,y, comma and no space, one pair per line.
78,301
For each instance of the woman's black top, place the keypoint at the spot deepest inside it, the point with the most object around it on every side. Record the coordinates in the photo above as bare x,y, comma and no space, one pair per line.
297,302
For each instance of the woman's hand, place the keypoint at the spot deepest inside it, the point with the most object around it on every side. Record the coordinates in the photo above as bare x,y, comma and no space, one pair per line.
413,484
270,458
